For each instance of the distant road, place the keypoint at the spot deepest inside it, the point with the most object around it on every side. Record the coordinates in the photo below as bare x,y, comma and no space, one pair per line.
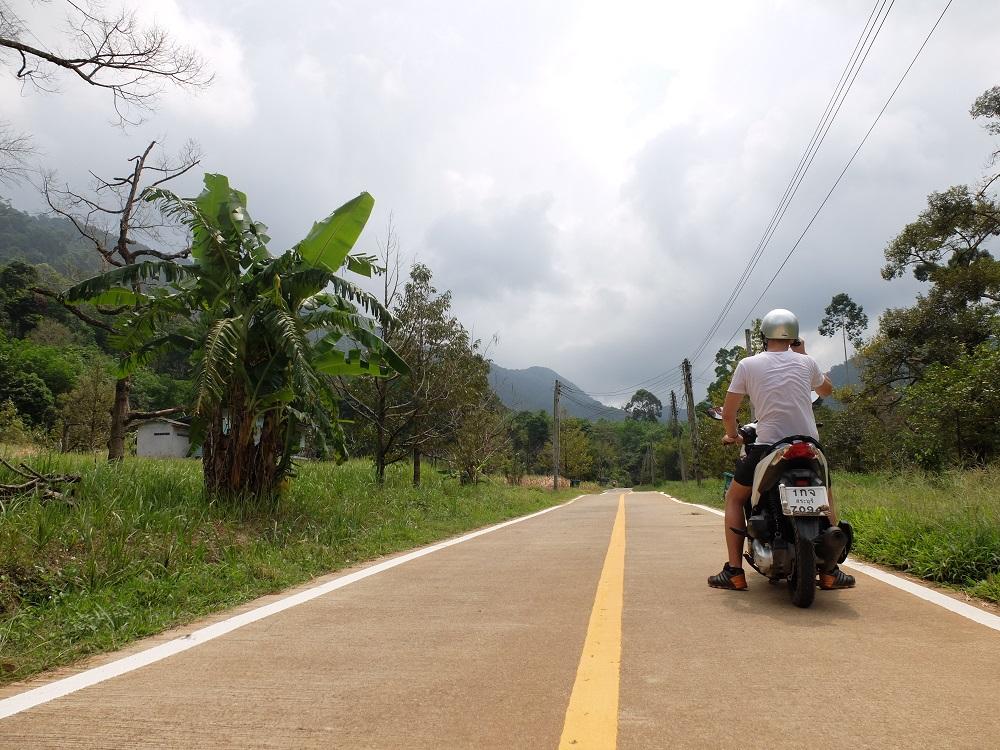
587,626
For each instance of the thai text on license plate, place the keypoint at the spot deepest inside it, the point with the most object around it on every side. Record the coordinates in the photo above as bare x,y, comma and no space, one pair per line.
804,501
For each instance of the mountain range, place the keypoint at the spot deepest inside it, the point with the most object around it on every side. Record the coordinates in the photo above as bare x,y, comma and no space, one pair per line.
841,376
531,390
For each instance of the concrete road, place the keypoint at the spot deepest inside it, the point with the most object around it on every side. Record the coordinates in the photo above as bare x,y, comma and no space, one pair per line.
587,626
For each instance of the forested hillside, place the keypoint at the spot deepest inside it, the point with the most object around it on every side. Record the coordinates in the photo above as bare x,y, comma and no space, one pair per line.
531,390
37,240
851,375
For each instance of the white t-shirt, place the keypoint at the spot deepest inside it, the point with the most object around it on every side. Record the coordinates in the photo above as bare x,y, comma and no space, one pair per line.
780,388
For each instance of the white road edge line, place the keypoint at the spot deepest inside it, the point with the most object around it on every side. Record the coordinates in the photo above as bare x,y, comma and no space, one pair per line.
57,689
927,594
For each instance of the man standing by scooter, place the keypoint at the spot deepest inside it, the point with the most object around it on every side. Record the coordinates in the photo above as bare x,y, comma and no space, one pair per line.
779,382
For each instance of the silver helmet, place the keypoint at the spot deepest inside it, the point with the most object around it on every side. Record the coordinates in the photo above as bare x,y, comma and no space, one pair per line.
779,324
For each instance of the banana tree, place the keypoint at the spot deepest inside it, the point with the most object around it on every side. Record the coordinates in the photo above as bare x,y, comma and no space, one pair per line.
264,331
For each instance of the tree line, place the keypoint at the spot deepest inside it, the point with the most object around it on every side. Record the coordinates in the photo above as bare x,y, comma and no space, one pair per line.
273,355
395,376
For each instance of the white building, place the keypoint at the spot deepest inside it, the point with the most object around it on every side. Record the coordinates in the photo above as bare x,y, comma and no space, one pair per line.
163,438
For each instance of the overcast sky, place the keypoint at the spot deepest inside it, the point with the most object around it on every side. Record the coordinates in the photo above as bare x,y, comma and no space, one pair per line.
588,178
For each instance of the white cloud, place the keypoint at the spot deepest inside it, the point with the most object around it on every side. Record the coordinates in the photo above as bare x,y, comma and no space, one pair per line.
229,102
588,178
496,251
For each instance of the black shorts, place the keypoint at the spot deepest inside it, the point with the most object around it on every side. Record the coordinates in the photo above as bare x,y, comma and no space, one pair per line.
743,474
745,466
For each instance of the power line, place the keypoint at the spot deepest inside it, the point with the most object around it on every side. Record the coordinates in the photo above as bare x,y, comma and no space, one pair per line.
859,55
844,170
589,409
851,71
573,396
662,386
668,383
805,161
629,390
584,405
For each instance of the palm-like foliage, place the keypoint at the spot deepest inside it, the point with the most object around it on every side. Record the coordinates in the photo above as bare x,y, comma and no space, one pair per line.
264,330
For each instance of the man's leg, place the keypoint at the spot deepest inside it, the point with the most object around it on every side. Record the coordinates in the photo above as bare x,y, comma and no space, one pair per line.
837,579
736,496
732,575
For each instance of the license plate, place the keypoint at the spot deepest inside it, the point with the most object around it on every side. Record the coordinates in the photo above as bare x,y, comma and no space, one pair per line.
804,501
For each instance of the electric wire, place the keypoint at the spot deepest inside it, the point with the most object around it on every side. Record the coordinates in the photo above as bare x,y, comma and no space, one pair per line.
629,390
859,54
589,410
590,407
866,42
805,161
661,385
600,411
843,171
649,384
590,415
862,48
658,388
748,268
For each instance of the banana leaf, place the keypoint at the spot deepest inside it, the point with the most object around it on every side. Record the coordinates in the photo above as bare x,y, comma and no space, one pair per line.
329,242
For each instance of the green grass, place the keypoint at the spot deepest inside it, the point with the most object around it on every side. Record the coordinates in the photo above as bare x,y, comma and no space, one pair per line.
141,550
941,527
944,528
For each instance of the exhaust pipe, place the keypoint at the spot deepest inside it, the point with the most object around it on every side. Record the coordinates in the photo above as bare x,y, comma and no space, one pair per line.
829,546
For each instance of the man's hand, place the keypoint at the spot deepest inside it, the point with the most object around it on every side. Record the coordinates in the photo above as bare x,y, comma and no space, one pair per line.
825,388
730,440
799,345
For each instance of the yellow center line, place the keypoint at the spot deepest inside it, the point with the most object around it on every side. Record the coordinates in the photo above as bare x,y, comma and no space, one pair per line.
592,716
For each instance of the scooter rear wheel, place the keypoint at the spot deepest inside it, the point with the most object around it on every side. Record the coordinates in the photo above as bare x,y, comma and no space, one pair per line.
802,584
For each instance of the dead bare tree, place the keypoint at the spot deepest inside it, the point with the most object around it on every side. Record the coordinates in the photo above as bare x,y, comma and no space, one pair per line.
44,484
15,149
113,52
120,226
111,216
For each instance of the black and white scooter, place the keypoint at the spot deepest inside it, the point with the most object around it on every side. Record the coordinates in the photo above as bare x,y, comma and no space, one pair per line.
789,534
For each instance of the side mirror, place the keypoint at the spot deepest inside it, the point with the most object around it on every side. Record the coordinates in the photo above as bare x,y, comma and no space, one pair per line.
715,412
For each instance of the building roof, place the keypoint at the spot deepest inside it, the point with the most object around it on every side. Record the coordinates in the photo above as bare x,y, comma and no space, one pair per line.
166,421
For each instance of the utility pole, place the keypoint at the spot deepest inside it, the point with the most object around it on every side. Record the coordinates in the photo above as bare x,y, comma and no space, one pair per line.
652,465
692,420
676,428
749,353
555,437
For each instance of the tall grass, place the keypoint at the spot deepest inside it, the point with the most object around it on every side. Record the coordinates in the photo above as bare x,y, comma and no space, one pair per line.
942,527
140,549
